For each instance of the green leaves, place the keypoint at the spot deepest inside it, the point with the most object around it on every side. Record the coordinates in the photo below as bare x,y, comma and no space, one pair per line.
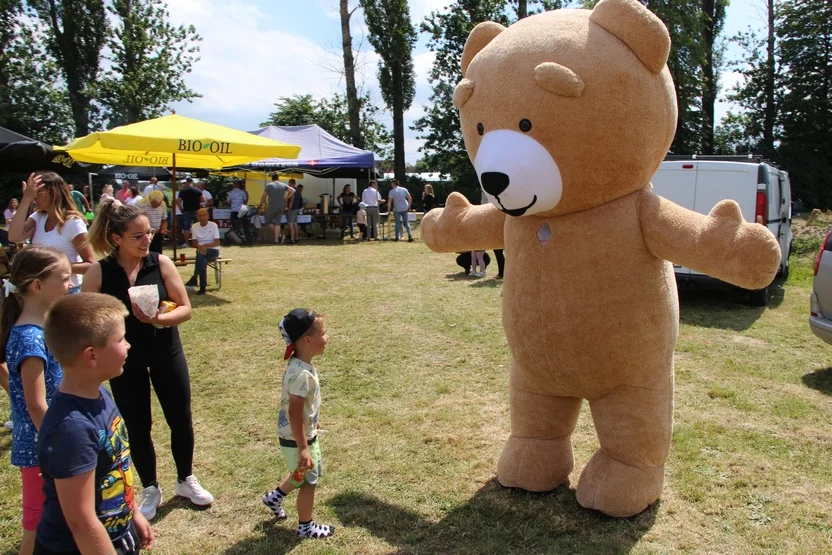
148,61
332,115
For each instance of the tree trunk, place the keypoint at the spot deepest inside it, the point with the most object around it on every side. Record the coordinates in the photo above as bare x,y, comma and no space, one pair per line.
398,125
709,84
770,108
522,10
349,72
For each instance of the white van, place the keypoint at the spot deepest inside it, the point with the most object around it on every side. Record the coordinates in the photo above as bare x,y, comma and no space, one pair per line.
760,188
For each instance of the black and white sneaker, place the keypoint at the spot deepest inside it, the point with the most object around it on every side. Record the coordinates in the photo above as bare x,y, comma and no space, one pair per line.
312,529
275,505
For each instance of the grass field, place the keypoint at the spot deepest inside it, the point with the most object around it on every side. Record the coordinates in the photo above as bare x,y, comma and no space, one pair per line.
415,407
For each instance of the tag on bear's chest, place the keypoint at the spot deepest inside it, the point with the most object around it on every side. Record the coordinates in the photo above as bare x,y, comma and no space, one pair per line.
544,233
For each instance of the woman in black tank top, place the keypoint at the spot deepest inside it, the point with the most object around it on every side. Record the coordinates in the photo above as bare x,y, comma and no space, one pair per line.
156,356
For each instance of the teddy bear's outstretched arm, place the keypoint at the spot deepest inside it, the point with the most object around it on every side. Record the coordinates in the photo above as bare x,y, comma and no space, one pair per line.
721,244
461,226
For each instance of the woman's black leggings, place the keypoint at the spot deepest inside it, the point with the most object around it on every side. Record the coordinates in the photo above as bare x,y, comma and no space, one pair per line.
131,392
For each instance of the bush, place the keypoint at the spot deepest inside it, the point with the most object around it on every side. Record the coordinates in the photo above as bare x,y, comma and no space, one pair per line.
806,246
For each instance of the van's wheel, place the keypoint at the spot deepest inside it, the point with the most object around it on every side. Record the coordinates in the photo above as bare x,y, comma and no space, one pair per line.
758,297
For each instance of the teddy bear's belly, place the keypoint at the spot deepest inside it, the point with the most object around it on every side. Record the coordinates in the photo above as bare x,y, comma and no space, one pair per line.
589,311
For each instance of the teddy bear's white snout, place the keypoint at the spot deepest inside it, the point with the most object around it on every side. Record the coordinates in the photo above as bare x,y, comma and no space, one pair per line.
517,173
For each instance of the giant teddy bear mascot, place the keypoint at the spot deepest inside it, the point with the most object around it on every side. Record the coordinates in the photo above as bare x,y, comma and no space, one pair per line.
566,115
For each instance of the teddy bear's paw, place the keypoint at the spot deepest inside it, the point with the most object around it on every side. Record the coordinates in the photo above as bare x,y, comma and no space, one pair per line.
618,489
535,464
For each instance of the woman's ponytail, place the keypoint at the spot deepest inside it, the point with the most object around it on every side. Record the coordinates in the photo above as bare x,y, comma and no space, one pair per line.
112,217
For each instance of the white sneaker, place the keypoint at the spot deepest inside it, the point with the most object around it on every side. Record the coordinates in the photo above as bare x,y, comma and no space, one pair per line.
9,425
151,498
191,489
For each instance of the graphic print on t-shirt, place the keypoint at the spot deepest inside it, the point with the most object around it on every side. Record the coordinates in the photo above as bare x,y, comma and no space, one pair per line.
115,510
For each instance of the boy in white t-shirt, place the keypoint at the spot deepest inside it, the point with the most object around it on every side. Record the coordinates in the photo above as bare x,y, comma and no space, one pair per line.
297,422
205,237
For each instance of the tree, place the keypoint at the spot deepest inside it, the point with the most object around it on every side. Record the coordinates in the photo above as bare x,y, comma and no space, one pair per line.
713,20
392,35
753,127
331,115
353,105
149,60
32,99
76,32
804,34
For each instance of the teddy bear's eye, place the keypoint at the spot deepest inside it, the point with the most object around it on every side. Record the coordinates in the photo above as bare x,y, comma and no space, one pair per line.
480,129
525,125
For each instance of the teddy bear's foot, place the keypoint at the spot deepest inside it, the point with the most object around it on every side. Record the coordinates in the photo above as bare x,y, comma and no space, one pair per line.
618,489
535,464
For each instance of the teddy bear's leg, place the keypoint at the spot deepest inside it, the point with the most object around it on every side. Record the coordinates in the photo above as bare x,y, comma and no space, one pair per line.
634,427
538,454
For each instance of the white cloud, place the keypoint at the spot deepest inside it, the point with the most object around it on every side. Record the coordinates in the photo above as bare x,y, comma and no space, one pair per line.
246,63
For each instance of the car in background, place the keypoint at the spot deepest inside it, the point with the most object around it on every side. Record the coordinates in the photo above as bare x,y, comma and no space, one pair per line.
761,189
820,301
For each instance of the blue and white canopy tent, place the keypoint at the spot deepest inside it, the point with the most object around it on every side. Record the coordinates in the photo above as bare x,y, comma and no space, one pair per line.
321,154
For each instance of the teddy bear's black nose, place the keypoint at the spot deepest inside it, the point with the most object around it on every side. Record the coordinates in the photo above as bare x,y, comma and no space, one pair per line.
494,183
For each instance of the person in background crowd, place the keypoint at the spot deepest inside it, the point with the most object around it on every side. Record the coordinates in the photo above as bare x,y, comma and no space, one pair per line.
10,211
361,220
372,198
428,199
154,186
188,200
501,262
237,198
207,198
278,195
400,201
55,223
154,208
206,241
106,192
79,199
124,193
294,211
135,198
348,204
464,261
123,234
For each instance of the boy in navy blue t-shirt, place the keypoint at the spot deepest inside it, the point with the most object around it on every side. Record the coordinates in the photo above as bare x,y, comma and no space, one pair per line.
83,449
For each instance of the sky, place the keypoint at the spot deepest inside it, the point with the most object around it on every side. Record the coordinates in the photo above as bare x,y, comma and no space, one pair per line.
256,51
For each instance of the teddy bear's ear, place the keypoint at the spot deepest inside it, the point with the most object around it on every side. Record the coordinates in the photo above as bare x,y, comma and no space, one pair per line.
463,92
638,28
479,38
558,79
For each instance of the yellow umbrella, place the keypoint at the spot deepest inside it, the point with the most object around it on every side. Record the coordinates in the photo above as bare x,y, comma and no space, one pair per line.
195,144
172,140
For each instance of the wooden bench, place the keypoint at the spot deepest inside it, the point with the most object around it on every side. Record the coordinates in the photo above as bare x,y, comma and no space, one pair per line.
216,265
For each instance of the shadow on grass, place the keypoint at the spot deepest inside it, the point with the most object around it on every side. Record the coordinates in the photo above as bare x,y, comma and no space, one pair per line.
490,282
274,537
174,503
727,309
498,520
820,380
208,299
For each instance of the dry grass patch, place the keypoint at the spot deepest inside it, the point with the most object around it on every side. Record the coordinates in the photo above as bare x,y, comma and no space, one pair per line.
415,407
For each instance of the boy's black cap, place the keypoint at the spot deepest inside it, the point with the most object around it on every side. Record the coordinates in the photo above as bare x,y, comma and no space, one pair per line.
294,325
